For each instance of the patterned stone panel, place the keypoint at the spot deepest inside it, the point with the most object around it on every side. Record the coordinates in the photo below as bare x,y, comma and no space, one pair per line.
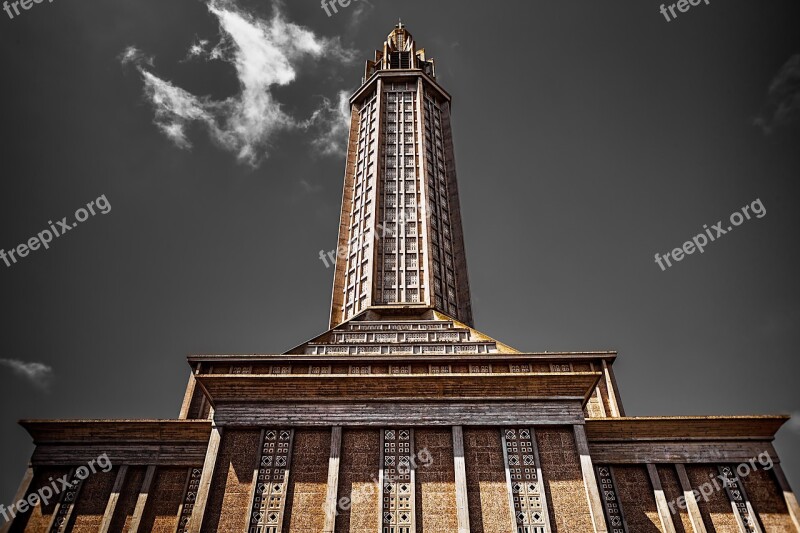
527,488
436,489
164,500
767,499
487,491
615,519
358,508
717,512
563,480
398,489
91,505
67,500
37,519
127,498
738,497
229,501
308,481
672,491
272,481
637,499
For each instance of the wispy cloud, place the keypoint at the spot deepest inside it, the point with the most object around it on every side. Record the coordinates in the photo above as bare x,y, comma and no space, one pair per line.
332,121
783,99
265,54
37,373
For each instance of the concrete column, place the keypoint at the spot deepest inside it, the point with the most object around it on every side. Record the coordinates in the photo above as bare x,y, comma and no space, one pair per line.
661,500
141,500
691,503
199,510
590,481
21,492
462,505
788,495
333,480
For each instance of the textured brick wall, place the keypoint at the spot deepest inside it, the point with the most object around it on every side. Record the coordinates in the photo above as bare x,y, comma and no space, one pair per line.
767,499
638,501
127,498
164,500
717,512
308,480
92,499
37,519
229,502
561,468
358,470
487,490
436,488
672,491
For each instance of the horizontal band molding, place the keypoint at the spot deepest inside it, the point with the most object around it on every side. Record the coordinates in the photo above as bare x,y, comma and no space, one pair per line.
684,428
120,454
390,387
714,452
544,357
118,431
379,414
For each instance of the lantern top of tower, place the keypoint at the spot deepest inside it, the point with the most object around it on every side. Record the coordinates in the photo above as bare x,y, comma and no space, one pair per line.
399,52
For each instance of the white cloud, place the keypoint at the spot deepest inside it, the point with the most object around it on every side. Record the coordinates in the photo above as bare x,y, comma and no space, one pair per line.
332,120
265,54
37,373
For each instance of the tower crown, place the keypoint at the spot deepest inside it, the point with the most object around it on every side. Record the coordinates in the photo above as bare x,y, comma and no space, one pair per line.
401,248
400,52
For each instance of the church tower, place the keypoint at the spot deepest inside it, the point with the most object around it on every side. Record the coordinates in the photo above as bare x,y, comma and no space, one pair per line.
400,222
401,417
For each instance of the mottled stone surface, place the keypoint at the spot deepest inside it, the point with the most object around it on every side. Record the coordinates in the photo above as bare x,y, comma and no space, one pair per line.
563,480
717,511
672,491
436,488
358,482
308,481
637,499
487,491
229,500
767,499
164,500
90,507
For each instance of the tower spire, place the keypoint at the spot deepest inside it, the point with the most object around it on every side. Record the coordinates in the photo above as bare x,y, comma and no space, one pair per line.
400,238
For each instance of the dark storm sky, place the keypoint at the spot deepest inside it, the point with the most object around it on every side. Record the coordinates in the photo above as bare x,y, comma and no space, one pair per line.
589,136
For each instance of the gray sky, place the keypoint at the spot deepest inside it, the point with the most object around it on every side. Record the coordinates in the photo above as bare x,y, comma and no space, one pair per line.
588,135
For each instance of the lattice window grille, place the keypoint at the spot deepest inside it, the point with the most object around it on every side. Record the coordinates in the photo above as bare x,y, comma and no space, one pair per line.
68,499
189,497
521,368
737,497
399,369
611,505
269,499
561,367
241,369
480,369
439,369
397,481
356,370
319,370
280,369
525,480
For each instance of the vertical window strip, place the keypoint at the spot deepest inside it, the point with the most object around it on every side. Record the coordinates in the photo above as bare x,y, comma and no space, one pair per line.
397,481
613,511
66,504
269,499
189,497
738,497
524,474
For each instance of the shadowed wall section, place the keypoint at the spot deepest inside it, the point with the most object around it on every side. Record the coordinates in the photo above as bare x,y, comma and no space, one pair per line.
487,492
229,501
358,486
637,499
308,481
164,501
436,489
563,480
92,499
